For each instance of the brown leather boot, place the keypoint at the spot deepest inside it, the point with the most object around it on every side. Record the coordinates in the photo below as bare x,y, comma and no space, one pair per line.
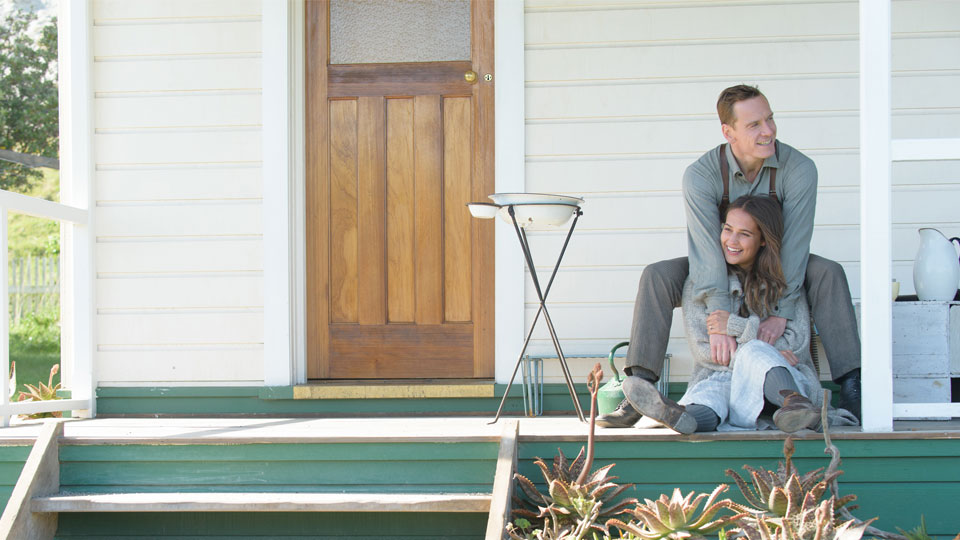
797,413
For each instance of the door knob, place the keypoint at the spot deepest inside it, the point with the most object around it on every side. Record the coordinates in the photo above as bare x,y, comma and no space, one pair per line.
470,76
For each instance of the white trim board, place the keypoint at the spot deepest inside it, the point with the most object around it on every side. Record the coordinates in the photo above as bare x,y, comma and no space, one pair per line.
284,348
509,170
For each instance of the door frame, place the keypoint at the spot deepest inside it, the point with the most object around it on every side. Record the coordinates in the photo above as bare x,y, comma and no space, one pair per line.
319,78
284,204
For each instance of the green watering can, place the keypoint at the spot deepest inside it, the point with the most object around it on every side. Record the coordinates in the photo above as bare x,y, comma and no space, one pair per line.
611,394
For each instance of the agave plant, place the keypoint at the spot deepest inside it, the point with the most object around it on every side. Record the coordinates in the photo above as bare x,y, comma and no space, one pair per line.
678,517
577,500
812,521
783,492
43,392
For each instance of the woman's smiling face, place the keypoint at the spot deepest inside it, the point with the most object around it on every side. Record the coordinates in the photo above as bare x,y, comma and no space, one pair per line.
740,239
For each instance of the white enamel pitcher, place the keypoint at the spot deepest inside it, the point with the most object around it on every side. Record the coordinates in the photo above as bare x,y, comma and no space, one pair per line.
936,270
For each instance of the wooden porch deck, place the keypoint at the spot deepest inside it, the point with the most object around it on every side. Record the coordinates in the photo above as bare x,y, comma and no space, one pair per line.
411,429
422,474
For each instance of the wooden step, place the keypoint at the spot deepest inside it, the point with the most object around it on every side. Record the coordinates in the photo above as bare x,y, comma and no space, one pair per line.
263,502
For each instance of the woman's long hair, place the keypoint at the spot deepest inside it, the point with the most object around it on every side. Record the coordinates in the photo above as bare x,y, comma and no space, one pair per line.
763,284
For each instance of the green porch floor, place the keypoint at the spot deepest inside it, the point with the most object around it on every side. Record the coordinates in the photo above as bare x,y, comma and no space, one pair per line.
899,476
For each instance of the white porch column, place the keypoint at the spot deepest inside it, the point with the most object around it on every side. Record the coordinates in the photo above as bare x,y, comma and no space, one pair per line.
77,305
509,169
875,216
284,347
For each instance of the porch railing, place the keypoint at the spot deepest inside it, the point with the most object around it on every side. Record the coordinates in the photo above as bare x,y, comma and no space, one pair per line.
67,216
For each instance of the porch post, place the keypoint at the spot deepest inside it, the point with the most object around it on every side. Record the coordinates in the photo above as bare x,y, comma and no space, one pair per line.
509,171
78,293
284,311
875,216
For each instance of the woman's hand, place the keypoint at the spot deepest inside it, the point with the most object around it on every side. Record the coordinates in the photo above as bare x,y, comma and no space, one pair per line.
792,358
717,322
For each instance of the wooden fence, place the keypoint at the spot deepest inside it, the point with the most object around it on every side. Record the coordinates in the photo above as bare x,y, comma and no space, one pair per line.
34,285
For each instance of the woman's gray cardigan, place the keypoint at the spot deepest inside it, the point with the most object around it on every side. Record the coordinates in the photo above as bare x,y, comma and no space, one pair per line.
795,338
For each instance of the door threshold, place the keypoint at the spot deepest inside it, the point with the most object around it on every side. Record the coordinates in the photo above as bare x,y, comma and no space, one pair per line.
396,389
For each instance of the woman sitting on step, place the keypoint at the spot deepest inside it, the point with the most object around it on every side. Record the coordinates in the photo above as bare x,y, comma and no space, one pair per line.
758,377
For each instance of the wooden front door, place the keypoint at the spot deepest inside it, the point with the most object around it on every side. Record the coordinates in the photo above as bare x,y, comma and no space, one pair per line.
399,277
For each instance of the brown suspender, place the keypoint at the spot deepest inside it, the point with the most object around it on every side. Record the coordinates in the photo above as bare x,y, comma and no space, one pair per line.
725,174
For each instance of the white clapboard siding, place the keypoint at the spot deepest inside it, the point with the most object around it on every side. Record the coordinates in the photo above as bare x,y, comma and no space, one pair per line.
198,109
174,291
204,181
147,256
682,23
171,39
177,145
171,327
118,11
620,99
721,59
182,74
123,366
240,218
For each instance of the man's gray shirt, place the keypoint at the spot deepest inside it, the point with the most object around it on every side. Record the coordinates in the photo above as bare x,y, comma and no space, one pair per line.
796,187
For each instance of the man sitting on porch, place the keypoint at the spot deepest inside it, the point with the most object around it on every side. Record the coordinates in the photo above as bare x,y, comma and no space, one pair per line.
751,162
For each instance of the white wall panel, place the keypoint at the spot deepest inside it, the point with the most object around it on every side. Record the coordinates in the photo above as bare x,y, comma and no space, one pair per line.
142,328
177,107
225,108
715,60
227,219
177,145
180,256
164,182
228,37
113,11
620,98
170,75
236,364
177,291
636,24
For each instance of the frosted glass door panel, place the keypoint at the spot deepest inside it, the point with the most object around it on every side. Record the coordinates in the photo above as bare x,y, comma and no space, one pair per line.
387,31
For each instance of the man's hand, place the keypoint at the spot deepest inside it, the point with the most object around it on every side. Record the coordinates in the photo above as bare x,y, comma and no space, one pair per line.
792,358
717,322
771,329
722,348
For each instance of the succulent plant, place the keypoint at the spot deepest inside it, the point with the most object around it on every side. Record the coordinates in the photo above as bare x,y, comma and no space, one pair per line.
576,500
782,493
43,392
811,521
678,517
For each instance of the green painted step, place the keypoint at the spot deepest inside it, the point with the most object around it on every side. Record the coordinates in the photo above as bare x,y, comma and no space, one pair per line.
270,525
897,480
12,458
263,502
465,467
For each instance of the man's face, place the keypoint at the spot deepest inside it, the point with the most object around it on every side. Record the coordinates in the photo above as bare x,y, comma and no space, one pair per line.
753,131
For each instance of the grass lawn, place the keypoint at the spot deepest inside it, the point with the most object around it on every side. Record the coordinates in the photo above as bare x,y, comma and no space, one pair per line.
33,362
35,338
